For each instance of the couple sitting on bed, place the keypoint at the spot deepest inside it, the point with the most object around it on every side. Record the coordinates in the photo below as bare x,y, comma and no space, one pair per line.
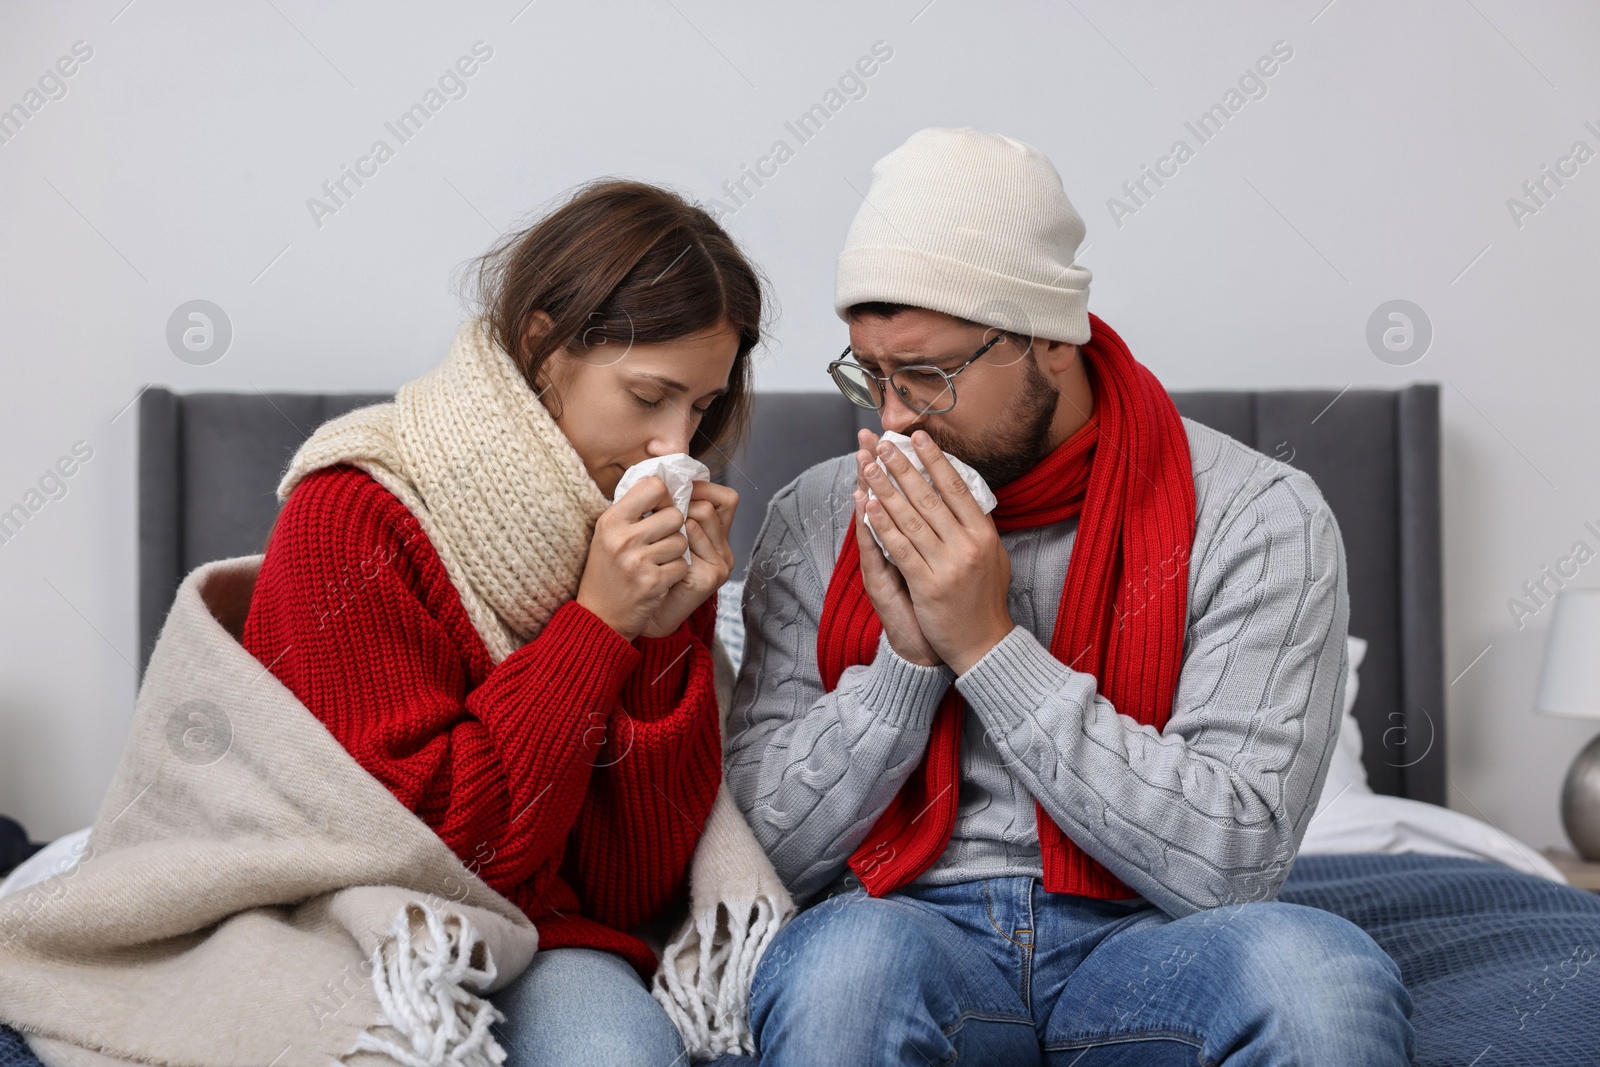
1018,787
1033,776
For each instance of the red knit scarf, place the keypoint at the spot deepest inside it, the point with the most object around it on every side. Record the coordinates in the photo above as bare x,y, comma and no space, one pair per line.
1121,617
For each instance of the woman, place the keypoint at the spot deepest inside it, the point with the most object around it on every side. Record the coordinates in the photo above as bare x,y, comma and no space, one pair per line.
524,663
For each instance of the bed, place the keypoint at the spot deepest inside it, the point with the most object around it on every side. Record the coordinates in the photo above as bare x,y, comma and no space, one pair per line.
1494,946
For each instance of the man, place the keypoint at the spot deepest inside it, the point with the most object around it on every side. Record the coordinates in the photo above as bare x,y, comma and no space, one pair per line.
1035,776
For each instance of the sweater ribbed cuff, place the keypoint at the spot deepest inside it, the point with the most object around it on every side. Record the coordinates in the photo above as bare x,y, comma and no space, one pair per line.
593,657
656,683
903,693
1015,676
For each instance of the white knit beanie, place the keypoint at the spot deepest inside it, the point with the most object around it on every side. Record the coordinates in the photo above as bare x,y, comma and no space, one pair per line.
972,224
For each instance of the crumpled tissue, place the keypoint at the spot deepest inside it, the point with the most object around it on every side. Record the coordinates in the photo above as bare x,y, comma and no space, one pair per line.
679,470
980,488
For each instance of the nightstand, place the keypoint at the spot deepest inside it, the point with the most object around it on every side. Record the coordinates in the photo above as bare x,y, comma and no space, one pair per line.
1580,872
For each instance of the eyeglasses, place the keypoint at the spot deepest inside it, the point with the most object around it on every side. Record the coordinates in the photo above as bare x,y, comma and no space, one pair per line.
925,389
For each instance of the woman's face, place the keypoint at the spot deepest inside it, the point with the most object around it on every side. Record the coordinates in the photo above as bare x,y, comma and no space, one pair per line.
621,405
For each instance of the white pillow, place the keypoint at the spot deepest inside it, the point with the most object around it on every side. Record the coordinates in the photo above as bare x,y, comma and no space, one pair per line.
730,619
58,857
1346,772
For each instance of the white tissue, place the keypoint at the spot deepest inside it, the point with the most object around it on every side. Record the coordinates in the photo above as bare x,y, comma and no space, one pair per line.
979,488
679,470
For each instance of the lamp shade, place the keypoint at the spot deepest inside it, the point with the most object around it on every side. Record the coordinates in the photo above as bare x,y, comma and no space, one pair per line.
1569,683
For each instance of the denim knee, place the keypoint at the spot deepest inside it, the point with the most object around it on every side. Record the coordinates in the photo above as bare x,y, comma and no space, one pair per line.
843,982
583,1006
877,981
834,952
1315,974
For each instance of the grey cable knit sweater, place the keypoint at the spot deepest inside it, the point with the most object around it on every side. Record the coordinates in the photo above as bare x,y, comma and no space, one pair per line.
1208,811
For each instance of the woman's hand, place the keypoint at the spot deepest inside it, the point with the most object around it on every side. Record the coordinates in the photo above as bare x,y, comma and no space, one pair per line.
634,560
711,509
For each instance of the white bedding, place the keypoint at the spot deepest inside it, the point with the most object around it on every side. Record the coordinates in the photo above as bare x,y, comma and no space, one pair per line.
1350,817
1372,822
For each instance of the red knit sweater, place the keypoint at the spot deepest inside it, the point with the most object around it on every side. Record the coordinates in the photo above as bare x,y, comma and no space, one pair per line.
574,777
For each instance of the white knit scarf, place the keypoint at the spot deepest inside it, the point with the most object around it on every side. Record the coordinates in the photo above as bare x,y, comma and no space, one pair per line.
508,505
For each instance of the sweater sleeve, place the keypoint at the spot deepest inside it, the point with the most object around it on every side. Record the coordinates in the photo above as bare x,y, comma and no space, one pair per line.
654,780
352,612
1211,809
813,770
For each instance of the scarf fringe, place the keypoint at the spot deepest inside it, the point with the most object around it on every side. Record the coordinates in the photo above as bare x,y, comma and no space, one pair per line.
718,952
421,987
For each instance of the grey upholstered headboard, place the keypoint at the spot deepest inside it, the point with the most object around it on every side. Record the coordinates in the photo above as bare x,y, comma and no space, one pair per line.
209,464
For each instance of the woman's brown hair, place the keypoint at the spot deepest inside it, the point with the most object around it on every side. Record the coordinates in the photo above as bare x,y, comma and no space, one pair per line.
619,263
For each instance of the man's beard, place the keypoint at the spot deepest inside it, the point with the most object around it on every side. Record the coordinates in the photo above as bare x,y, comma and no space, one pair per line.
1021,438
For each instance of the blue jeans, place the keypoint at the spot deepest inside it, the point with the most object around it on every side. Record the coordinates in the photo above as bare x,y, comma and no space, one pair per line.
581,1006
999,971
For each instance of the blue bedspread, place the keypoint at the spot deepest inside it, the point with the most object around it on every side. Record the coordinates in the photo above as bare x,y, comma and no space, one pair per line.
14,1051
1502,966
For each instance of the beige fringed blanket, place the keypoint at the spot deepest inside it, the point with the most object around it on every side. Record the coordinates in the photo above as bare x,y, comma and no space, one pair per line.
241,878
250,895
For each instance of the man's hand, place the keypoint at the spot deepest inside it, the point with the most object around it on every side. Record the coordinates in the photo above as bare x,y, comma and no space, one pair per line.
884,585
951,562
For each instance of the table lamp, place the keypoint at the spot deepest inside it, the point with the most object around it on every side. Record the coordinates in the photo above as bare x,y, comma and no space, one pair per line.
1569,685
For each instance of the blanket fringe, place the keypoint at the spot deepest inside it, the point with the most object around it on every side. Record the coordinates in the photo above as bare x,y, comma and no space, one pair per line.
421,990
704,980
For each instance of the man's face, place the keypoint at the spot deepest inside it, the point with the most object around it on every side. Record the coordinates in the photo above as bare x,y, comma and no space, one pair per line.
1000,424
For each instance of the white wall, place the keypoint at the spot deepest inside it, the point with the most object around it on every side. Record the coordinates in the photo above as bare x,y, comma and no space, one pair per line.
1377,166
